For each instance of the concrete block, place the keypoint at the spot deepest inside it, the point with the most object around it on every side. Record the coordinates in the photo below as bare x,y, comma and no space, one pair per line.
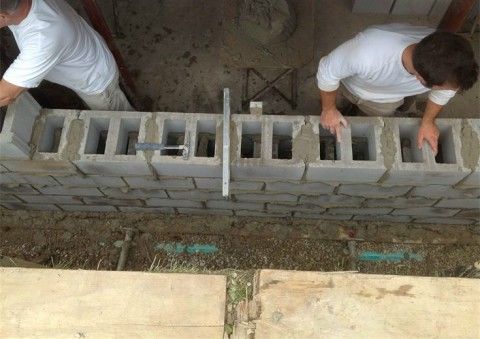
39,167
51,199
230,205
173,203
415,167
108,144
156,210
298,208
247,197
8,198
202,133
90,181
328,201
305,215
127,193
197,211
37,180
399,202
195,195
31,207
440,191
17,127
162,183
412,7
299,188
373,191
372,6
265,147
459,203
262,214
17,189
78,191
213,184
112,202
88,208
383,218
360,211
426,212
444,221
357,158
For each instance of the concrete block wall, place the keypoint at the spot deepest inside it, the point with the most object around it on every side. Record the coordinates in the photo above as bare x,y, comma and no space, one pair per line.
282,166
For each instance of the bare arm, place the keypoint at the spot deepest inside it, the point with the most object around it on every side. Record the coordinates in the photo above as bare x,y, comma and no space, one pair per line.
9,92
330,117
428,129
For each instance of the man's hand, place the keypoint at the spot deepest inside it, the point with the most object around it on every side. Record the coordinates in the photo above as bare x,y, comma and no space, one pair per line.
333,120
428,132
9,92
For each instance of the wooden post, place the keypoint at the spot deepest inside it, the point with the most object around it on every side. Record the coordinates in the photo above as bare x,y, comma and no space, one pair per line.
456,14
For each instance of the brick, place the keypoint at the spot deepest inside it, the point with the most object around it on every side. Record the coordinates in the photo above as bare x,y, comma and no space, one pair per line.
117,193
332,201
440,191
304,215
195,195
445,221
163,183
426,211
213,184
399,202
79,191
51,199
17,127
173,203
359,211
299,188
88,208
111,202
39,167
383,218
224,204
37,180
197,211
469,214
91,181
372,6
31,207
266,197
161,210
261,214
298,208
459,203
373,191
8,198
347,168
18,189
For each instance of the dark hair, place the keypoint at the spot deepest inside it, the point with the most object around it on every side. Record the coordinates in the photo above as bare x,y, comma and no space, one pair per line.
446,58
9,6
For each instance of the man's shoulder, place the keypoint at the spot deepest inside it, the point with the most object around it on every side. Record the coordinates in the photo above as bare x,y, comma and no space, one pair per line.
398,31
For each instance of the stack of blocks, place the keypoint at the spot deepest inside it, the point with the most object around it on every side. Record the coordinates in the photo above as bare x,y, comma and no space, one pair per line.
281,166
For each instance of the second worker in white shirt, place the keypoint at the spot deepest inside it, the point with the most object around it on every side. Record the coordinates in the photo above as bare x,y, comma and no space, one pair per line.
56,44
382,65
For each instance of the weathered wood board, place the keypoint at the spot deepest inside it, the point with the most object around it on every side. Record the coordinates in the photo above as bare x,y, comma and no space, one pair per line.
45,303
331,305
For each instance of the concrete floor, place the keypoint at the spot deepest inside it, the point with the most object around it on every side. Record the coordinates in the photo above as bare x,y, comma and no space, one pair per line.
174,51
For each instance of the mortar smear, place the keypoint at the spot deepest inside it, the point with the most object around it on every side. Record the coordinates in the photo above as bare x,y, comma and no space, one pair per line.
305,145
387,145
151,135
74,138
470,146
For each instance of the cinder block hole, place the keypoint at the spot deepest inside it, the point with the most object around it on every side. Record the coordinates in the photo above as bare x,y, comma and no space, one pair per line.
251,144
128,136
282,140
363,142
446,147
97,136
51,135
206,134
408,143
3,114
173,135
329,147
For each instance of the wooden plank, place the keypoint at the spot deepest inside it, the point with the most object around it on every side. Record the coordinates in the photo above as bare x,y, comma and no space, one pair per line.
323,305
372,6
412,7
97,304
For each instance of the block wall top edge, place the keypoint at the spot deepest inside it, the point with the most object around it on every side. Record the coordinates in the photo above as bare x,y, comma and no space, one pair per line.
188,116
114,114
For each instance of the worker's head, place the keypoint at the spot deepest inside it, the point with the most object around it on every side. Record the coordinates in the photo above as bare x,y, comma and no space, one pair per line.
445,60
12,12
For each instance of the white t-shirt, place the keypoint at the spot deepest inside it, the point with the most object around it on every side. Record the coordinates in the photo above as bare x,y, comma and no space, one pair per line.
56,44
370,66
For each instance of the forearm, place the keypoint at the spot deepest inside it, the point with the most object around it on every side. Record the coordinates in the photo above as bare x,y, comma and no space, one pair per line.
431,112
328,100
8,93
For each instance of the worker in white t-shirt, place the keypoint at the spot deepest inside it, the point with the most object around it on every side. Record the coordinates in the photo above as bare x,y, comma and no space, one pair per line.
382,65
56,44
